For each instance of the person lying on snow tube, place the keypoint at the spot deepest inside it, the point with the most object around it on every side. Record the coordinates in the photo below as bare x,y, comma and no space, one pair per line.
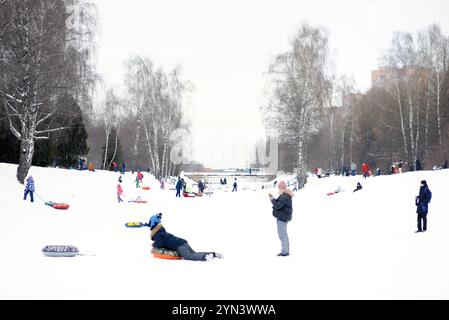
164,240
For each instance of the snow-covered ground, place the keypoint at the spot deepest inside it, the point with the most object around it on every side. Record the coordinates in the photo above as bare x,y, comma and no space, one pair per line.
346,246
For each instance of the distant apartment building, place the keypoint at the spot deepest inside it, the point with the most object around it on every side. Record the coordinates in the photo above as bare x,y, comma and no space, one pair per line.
381,76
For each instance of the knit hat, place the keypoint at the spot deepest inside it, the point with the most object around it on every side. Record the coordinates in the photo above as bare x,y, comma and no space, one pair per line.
155,220
424,182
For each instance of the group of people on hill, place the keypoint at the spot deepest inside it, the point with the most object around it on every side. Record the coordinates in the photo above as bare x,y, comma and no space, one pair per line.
282,210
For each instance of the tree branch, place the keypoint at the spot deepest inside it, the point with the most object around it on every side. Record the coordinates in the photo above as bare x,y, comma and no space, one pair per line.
50,130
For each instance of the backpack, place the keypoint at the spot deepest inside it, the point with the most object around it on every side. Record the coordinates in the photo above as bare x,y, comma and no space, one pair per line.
429,194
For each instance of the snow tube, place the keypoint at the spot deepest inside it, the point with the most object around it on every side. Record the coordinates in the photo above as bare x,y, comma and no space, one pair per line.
60,251
134,224
146,188
165,254
61,206
188,195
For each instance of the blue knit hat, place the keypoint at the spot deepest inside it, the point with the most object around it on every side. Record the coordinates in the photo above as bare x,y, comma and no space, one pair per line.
155,220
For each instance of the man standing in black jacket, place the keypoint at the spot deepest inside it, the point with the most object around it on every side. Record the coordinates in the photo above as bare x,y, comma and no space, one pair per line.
422,202
282,211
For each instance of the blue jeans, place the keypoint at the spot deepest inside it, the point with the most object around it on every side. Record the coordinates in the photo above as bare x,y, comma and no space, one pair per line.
31,195
187,253
283,236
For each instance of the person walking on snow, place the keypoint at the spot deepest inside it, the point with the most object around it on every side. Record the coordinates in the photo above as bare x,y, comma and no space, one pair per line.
162,185
422,202
137,182
234,186
140,176
119,192
353,169
365,170
282,211
164,240
29,189
179,186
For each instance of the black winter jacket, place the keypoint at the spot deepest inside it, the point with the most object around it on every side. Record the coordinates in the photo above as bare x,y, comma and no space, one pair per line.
282,207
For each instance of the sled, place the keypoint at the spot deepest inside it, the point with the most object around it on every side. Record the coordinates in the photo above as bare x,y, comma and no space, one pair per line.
61,206
134,224
138,201
188,195
330,193
60,251
165,254
146,188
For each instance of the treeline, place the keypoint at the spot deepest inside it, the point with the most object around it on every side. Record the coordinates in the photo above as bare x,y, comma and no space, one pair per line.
47,87
404,116
137,126
46,79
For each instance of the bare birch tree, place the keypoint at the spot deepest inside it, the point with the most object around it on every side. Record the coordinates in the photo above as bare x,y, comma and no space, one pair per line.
300,90
40,64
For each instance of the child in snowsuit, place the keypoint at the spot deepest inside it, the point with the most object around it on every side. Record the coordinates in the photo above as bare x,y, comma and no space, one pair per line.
29,189
119,192
137,182
164,240
359,187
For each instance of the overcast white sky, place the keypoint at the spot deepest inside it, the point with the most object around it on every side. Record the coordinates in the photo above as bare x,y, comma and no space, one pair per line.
224,48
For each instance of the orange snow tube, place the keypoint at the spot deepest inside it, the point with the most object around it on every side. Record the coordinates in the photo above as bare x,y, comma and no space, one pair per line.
165,254
61,206
166,257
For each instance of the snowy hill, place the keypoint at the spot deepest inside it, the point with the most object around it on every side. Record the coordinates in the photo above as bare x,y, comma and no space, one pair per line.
346,246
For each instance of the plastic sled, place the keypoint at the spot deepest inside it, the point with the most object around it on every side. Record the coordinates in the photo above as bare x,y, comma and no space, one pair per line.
165,254
146,188
188,195
61,206
60,251
134,224
138,201
330,193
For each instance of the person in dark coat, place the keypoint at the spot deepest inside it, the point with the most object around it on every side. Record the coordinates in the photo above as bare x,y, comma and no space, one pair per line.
225,182
400,166
359,187
164,240
179,186
282,211
234,189
418,166
422,202
444,164
29,189
200,187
